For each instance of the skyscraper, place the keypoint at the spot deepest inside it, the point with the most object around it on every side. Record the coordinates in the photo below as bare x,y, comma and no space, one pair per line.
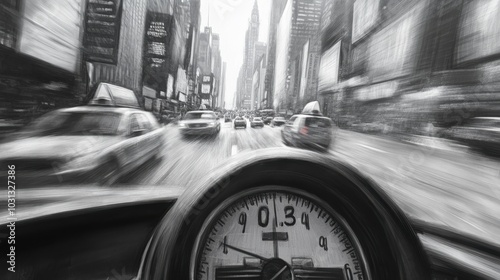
277,8
251,37
298,23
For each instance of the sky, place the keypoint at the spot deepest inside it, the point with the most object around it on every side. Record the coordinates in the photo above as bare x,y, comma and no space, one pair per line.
229,18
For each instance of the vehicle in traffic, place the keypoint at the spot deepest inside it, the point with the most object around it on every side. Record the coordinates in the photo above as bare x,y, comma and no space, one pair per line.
227,118
278,121
256,122
84,144
201,122
279,212
240,122
310,129
267,120
480,133
264,113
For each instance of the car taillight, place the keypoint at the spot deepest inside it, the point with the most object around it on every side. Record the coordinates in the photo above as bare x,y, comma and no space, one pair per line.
303,130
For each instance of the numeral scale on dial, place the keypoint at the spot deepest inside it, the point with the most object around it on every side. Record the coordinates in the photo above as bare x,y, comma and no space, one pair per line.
256,213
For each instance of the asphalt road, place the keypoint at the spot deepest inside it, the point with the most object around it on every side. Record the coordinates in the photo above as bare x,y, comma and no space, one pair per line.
432,180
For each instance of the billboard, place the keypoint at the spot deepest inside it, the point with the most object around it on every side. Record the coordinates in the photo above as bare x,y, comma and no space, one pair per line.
365,16
392,52
102,30
155,53
51,32
329,68
9,22
479,31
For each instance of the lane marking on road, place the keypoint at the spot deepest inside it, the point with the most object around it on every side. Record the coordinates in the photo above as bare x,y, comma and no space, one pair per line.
373,149
234,150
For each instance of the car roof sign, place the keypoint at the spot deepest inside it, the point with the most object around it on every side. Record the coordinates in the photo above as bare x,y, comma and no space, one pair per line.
312,108
115,96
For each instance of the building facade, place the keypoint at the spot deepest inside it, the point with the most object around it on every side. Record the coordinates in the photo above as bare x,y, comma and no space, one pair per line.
277,7
251,38
408,65
298,24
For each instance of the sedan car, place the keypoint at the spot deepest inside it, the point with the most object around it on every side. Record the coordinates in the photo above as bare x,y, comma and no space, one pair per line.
308,130
268,214
200,123
278,121
481,133
267,120
240,122
256,122
87,142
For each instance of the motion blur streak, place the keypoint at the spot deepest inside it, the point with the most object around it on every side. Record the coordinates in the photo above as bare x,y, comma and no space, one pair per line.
94,97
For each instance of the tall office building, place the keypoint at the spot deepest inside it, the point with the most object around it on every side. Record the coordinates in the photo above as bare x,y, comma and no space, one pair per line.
251,37
298,23
277,8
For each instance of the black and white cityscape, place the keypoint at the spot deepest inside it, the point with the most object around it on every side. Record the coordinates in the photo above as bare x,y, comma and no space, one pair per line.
250,139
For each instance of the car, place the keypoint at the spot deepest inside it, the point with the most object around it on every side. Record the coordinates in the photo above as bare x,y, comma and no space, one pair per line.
240,122
267,120
227,118
256,122
309,129
278,121
202,122
480,133
276,211
83,143
99,142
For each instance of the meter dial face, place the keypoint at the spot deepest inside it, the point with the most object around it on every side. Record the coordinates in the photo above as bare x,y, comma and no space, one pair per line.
284,234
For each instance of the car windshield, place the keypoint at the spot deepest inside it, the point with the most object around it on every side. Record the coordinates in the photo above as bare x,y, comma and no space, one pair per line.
239,118
318,122
197,116
257,119
75,123
279,119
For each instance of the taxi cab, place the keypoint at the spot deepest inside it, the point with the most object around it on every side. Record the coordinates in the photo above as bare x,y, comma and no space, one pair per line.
98,142
310,129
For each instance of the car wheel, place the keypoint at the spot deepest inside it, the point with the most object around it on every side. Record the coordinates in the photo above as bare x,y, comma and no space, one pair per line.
109,173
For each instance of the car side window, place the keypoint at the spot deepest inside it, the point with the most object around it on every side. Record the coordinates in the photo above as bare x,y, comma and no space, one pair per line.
291,121
134,123
144,122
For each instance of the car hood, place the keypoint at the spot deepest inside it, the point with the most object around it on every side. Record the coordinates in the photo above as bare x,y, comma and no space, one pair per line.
56,146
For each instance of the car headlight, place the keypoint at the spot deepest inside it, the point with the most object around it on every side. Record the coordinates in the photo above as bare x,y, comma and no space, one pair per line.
182,125
211,124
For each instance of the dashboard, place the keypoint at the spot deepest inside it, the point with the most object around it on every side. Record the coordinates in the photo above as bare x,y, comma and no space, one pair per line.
276,214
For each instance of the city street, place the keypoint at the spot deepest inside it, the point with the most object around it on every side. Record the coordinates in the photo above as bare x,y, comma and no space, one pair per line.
434,181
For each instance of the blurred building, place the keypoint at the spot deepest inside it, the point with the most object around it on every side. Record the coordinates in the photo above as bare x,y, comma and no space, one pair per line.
193,100
251,37
258,84
407,64
109,55
277,7
216,70
222,88
299,23
210,65
40,58
168,56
